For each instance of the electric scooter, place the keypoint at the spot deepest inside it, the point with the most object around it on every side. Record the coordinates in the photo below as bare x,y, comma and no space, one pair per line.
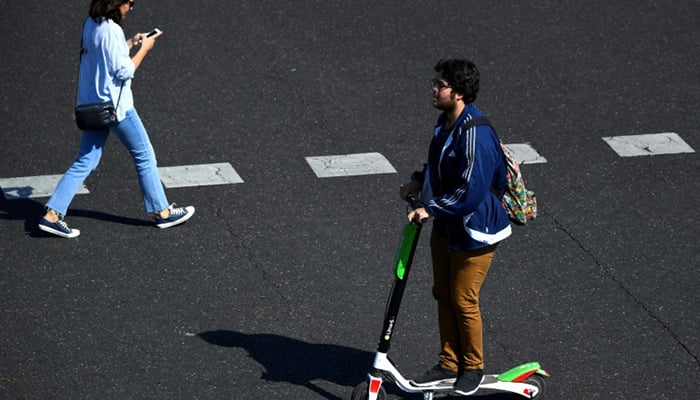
526,380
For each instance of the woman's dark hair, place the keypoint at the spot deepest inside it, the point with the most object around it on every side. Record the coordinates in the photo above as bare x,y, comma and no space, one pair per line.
461,75
106,8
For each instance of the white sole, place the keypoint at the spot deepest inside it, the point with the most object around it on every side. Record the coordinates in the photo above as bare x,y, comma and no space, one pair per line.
461,393
466,393
444,382
74,232
178,222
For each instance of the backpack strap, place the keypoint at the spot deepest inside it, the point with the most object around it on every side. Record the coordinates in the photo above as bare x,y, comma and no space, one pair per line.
476,122
472,123
480,121
484,121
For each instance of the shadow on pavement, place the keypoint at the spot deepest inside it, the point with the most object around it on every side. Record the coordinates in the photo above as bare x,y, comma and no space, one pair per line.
299,363
31,211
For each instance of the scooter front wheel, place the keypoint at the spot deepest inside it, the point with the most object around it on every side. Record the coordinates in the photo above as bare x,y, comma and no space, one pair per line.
537,380
361,392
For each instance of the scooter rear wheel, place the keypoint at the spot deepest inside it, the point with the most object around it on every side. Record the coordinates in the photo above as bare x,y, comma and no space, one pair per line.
537,380
361,392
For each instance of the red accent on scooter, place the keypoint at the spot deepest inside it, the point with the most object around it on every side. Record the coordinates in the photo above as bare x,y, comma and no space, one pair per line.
374,385
524,377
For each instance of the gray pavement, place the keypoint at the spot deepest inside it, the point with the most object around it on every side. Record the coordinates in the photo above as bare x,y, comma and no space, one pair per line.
276,288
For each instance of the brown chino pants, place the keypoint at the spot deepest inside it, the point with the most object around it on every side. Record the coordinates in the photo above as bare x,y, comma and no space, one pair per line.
457,279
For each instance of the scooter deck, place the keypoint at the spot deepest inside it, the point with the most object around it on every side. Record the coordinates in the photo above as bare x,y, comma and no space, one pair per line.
447,385
489,385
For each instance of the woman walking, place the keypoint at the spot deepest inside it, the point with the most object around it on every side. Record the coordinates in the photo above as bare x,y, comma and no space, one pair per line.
106,70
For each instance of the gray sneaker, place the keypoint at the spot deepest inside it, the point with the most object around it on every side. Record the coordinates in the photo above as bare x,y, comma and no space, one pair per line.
436,376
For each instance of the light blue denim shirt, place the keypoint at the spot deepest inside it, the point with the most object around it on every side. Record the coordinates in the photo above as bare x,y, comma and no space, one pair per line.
105,65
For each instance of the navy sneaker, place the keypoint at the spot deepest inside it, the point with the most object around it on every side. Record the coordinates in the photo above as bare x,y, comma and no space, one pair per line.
177,216
468,383
436,376
58,228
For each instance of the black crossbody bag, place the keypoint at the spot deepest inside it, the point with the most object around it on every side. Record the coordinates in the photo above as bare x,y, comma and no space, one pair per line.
95,116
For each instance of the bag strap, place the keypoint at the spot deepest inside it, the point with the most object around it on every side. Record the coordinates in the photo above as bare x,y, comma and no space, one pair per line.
484,121
476,122
83,50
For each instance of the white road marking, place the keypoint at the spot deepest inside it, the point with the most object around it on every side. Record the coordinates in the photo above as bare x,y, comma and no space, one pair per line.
199,175
350,165
525,153
338,165
32,186
648,145
172,177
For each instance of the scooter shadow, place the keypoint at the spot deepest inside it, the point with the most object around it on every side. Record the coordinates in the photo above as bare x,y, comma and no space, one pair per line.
301,363
298,362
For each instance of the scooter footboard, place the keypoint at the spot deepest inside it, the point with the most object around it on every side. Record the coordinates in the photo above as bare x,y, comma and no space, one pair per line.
386,367
491,384
518,380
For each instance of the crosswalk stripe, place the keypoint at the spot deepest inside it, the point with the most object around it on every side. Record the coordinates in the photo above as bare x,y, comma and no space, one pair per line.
32,186
648,144
199,175
350,165
525,153
172,177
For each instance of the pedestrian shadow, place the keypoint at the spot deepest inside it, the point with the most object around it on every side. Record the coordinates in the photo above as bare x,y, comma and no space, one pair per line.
102,216
298,362
31,212
20,209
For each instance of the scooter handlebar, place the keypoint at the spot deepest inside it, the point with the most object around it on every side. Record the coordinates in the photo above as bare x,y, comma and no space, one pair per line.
413,201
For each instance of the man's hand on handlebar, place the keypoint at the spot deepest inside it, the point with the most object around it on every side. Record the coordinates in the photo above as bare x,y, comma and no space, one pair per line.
419,215
409,192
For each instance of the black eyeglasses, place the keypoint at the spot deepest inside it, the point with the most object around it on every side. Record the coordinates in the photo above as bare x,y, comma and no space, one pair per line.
438,84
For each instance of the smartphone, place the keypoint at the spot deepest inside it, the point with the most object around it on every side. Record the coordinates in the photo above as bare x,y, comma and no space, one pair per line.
155,31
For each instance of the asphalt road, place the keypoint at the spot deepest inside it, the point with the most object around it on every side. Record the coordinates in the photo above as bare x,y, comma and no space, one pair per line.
276,288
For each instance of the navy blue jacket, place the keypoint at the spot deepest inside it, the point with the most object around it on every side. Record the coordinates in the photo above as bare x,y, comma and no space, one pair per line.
463,182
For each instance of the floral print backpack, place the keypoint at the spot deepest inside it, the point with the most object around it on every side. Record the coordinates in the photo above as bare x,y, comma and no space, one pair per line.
519,202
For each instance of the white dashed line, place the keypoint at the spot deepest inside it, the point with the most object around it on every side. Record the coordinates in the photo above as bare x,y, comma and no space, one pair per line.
525,153
350,165
32,186
199,175
648,145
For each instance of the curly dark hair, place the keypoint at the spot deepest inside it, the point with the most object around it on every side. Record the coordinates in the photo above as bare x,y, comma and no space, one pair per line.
461,75
106,9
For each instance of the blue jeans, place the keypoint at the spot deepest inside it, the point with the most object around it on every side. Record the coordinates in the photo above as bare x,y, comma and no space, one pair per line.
134,137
